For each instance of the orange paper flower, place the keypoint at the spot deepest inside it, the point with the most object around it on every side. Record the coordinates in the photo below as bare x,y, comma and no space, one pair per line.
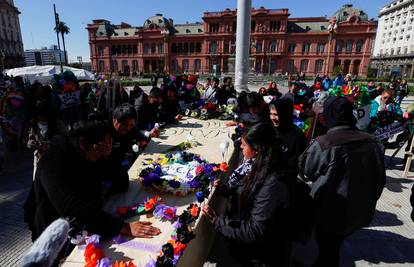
194,211
124,264
150,204
224,167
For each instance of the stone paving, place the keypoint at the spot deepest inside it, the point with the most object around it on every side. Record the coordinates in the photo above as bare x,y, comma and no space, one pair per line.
388,241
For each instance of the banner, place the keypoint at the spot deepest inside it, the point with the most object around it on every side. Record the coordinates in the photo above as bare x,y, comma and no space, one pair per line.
389,130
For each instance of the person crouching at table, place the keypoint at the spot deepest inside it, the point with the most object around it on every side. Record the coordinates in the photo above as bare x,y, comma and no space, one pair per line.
128,141
256,225
69,184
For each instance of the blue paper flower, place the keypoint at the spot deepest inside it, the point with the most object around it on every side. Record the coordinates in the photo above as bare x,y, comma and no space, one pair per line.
150,179
200,196
174,184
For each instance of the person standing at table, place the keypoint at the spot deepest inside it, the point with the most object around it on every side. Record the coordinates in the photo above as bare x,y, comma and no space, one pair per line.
69,184
346,168
148,112
128,141
256,225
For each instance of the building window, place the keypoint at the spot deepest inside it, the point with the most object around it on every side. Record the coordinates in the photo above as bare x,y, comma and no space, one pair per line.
398,50
291,66
185,65
306,48
304,65
273,46
213,47
320,48
125,66
226,47
339,46
153,46
319,66
291,48
185,48
124,49
174,48
359,45
146,49
160,48
253,26
191,47
234,26
134,49
101,66
349,45
274,26
100,51
129,49
113,50
174,64
179,48
197,65
214,27
259,47
114,65
135,65
198,47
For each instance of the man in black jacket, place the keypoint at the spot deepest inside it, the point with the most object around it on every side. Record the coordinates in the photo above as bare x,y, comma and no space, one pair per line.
70,184
148,112
347,169
127,139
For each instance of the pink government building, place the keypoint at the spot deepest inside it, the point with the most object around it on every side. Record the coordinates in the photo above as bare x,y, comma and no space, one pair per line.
279,44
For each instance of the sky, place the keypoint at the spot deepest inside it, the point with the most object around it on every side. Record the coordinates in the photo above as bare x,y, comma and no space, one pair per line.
37,20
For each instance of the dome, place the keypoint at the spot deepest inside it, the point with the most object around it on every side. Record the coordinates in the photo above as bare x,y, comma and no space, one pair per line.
348,11
156,22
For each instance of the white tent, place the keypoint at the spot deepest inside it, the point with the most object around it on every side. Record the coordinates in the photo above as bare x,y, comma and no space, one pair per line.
44,74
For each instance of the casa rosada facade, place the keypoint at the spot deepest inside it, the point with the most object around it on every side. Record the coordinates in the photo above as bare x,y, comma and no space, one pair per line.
279,44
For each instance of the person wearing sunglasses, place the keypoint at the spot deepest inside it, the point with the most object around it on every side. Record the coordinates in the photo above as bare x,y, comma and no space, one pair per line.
385,102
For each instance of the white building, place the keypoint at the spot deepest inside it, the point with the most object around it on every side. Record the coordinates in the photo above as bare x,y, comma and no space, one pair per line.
394,44
44,56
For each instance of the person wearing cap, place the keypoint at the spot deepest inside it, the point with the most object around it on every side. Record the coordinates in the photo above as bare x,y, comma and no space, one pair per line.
347,174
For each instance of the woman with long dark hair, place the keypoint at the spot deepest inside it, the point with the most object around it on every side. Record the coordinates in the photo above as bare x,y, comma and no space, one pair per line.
256,223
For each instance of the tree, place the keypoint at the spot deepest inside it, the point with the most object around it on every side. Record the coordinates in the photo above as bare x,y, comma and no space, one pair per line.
63,29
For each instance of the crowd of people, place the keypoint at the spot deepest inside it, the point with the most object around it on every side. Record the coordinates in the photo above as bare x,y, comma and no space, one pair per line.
304,163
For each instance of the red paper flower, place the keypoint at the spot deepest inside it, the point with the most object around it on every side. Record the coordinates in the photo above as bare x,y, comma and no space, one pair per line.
178,246
150,204
92,255
199,170
124,264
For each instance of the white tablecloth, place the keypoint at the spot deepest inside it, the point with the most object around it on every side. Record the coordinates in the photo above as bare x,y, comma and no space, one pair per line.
209,134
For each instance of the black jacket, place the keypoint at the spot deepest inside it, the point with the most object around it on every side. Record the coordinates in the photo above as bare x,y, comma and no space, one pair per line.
258,234
347,169
293,143
70,187
147,114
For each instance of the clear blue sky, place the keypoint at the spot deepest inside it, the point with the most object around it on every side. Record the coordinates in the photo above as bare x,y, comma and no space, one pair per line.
37,21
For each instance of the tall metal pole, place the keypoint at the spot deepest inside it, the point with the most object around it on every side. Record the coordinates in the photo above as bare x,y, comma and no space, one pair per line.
243,44
57,36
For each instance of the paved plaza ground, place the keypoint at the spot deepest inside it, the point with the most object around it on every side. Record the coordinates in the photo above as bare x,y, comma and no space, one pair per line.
388,241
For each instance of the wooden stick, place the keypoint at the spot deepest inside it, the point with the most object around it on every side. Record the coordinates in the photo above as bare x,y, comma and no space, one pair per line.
409,153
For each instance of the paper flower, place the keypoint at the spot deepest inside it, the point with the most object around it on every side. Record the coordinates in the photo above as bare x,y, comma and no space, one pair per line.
92,255
224,167
200,196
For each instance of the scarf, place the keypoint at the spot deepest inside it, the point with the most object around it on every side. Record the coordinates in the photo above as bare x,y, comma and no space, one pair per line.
241,171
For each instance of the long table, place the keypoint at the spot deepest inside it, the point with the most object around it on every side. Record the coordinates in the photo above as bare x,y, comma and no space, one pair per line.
209,134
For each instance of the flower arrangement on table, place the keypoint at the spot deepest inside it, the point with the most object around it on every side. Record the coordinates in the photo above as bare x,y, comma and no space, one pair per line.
180,174
208,110
94,255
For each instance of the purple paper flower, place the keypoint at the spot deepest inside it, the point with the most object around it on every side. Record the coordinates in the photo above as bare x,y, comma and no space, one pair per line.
200,196
93,239
151,263
174,184
165,212
150,179
194,183
208,168
198,159
104,262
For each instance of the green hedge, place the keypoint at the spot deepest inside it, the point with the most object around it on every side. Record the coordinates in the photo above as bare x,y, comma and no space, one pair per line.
138,83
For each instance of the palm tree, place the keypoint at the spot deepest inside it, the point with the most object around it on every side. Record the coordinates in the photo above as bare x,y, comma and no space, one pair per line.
63,29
